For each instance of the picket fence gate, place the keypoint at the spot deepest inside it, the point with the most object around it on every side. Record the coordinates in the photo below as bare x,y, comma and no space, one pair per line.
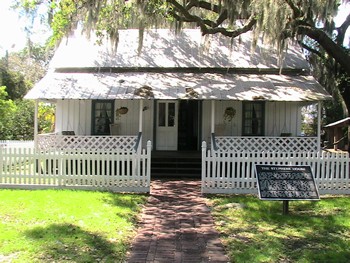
112,170
233,172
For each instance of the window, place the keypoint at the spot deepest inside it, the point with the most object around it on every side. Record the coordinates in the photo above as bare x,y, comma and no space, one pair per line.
166,114
102,116
253,118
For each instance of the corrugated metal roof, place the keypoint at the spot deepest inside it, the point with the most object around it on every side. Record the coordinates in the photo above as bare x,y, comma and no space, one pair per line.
341,123
163,48
137,85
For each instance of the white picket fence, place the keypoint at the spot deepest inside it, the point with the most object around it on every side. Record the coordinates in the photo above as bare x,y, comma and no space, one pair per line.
16,144
233,172
112,170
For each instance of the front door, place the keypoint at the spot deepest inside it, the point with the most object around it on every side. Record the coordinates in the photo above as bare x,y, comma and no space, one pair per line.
166,125
188,128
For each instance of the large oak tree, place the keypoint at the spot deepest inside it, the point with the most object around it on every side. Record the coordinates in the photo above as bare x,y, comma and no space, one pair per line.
310,22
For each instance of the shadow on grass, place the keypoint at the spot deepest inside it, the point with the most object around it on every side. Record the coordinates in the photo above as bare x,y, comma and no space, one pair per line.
130,204
67,242
257,231
131,201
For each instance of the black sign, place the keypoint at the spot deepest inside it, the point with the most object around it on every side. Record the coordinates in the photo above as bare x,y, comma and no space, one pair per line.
283,182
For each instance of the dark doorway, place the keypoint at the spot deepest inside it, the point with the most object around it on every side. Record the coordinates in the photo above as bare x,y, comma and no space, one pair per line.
188,131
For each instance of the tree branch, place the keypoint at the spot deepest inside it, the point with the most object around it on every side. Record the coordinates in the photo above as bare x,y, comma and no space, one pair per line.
342,30
208,27
310,49
296,11
186,14
232,33
335,51
204,5
223,16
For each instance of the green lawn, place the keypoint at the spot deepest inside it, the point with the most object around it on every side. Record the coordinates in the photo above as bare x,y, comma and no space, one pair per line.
66,226
86,226
256,231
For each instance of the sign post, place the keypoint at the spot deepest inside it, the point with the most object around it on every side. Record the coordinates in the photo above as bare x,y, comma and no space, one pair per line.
286,183
285,207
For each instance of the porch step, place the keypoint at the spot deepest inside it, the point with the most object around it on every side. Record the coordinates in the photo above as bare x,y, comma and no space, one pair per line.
176,165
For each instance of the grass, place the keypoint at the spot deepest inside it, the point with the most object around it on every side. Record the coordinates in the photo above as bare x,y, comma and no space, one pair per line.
84,226
256,231
66,225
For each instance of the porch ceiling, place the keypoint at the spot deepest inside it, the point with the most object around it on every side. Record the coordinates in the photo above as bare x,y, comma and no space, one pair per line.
203,86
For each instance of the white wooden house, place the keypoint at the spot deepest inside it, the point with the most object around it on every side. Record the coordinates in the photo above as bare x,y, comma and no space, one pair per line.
182,92
177,89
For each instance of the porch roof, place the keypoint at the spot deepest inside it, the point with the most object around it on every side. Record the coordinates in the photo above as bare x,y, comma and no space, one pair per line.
175,85
341,123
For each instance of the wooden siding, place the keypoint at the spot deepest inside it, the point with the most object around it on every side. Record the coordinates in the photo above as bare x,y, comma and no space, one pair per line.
73,115
280,117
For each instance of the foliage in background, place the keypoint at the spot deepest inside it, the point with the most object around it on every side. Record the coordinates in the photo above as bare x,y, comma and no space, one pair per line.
18,73
46,117
334,79
309,120
14,81
7,108
22,121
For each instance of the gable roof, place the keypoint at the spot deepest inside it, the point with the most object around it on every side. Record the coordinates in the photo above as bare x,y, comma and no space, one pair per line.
171,65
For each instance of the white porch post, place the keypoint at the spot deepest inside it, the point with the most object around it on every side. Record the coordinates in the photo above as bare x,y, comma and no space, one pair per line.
36,123
212,116
140,115
212,139
319,109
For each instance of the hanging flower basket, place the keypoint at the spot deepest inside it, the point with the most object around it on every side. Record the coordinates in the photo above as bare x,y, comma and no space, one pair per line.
122,111
229,114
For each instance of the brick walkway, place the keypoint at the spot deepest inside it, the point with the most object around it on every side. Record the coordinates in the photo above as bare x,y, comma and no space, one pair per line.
176,226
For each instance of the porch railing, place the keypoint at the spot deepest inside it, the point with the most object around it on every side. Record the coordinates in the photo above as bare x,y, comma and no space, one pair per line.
113,170
49,141
233,172
266,144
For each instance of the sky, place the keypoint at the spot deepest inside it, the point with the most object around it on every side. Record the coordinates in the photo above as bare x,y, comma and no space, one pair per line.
12,34
13,38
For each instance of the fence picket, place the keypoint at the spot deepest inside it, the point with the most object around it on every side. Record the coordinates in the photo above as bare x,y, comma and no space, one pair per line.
115,170
331,170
